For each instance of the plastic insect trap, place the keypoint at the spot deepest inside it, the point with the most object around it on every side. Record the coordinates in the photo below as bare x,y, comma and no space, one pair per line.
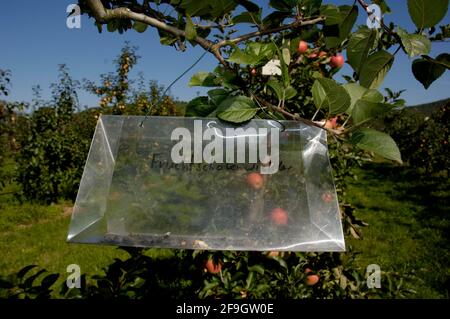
204,184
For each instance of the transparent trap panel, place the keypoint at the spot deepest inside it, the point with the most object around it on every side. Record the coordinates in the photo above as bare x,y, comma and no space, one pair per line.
204,184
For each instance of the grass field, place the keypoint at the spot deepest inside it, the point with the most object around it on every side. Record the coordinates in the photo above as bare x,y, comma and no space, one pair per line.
408,232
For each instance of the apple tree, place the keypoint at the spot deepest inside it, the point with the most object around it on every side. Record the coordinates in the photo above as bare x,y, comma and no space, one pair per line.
304,42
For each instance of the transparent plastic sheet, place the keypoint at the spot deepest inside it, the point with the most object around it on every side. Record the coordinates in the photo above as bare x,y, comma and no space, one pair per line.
133,193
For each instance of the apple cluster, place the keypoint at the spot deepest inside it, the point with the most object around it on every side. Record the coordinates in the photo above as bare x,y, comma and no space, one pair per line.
336,61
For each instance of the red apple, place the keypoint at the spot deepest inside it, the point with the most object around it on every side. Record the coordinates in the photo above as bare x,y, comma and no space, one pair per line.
279,216
322,54
311,280
331,123
302,47
212,267
253,71
327,197
255,180
337,61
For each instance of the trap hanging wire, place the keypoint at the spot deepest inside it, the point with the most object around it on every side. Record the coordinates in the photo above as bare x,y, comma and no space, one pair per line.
175,81
203,184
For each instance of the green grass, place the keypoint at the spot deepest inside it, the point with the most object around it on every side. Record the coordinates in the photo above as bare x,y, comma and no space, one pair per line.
408,232
32,233
41,239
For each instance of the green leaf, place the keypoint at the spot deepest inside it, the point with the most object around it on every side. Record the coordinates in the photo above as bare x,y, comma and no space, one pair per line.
286,56
365,110
274,19
191,34
209,10
356,92
249,6
99,27
284,68
331,13
249,279
359,46
139,26
281,261
310,7
28,283
373,96
194,8
414,44
217,95
282,5
203,79
336,34
260,50
49,280
426,13
280,91
22,272
199,107
277,88
319,95
257,268
442,59
166,38
426,71
290,92
112,25
240,57
248,17
330,95
226,78
377,142
237,109
375,69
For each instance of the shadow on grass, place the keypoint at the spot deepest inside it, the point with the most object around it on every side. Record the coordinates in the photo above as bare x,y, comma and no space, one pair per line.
429,192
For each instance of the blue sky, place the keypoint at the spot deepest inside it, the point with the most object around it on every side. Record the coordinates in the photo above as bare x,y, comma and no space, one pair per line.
34,40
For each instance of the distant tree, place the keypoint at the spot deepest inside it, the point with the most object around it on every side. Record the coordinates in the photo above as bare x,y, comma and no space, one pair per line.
5,81
117,95
51,151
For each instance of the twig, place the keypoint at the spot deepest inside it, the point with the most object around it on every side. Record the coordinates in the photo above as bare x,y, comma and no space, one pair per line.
385,27
295,117
248,36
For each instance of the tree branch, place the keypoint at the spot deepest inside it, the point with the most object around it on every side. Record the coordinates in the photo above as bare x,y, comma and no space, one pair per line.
104,15
248,36
296,117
